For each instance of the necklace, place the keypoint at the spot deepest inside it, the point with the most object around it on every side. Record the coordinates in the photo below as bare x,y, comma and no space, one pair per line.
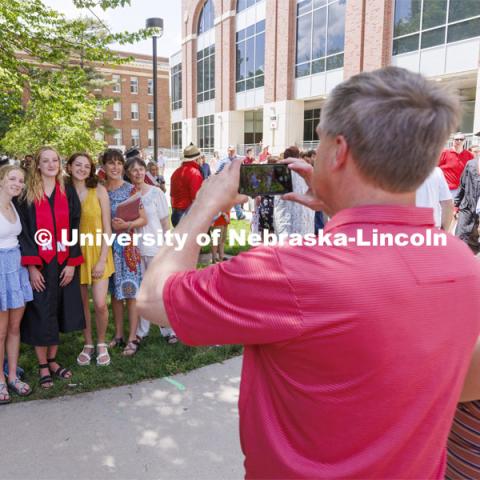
9,213
6,208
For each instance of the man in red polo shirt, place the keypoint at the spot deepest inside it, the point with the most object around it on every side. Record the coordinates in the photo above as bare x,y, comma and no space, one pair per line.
185,183
453,161
354,355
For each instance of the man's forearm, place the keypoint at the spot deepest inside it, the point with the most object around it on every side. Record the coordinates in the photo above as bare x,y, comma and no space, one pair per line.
471,386
447,214
171,259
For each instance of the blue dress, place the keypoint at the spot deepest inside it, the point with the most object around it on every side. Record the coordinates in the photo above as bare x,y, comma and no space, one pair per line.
125,282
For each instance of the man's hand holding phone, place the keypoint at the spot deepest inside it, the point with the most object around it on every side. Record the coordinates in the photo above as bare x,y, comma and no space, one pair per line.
219,193
305,170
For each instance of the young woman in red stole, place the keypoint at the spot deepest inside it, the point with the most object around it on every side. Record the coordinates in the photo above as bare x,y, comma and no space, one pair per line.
47,209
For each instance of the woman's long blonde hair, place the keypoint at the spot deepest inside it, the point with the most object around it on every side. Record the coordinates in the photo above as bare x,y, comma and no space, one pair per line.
34,190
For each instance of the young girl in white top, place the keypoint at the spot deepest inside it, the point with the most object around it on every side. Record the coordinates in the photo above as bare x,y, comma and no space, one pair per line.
15,289
156,207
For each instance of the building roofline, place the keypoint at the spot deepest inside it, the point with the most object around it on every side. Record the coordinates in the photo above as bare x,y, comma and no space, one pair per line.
140,55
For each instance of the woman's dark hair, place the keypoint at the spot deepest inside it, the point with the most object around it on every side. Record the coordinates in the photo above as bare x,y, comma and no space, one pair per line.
131,162
92,179
112,155
292,152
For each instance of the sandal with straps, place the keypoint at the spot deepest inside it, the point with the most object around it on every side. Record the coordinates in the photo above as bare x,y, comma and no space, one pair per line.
60,372
105,355
46,382
22,389
131,348
87,356
4,393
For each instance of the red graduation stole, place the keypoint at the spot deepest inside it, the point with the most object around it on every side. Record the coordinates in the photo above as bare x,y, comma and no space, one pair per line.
44,217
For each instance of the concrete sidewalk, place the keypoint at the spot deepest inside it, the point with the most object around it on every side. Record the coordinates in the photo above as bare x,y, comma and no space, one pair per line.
183,427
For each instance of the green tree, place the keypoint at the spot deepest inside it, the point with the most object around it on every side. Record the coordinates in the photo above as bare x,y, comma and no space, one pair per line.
49,77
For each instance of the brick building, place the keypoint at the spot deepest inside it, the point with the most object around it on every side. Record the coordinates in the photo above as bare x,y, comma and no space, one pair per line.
131,114
252,70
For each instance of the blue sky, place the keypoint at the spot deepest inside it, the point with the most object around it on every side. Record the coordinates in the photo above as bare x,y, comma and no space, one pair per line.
132,18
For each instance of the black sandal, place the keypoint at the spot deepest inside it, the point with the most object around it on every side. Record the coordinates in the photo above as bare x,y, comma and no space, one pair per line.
117,342
46,378
60,372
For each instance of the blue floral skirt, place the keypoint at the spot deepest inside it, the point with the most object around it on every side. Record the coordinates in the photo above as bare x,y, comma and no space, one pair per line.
15,288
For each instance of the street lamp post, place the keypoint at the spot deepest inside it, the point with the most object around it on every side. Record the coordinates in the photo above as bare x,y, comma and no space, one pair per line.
156,23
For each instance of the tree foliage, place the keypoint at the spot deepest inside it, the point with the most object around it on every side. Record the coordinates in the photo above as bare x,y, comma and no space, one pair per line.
49,75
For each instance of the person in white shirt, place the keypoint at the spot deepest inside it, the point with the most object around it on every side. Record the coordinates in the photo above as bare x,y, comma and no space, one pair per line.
161,162
15,288
156,207
434,193
290,217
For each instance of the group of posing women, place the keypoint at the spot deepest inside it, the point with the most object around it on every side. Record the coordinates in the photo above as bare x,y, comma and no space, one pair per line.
44,281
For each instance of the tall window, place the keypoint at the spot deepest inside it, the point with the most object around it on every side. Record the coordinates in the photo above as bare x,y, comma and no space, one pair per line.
134,110
133,85
207,17
205,132
251,57
135,137
117,111
117,137
150,86
150,137
206,74
310,123
253,125
150,112
177,87
320,36
427,23
244,4
116,87
177,135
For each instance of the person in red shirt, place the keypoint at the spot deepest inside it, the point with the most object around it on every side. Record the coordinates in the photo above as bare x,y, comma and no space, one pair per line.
349,367
453,161
264,155
185,183
249,157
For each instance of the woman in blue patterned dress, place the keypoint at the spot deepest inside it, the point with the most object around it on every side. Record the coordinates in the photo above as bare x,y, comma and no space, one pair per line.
125,282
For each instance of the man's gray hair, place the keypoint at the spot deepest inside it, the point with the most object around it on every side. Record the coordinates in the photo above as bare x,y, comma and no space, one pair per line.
395,122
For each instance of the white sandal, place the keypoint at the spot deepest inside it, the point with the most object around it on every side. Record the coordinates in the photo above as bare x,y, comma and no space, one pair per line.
105,355
87,355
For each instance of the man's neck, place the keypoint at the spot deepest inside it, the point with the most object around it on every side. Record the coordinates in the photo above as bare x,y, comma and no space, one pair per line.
459,149
368,195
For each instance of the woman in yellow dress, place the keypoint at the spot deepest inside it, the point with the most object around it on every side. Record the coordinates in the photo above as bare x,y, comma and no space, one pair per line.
98,264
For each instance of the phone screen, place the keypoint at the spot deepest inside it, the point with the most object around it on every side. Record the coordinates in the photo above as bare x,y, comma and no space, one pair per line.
265,179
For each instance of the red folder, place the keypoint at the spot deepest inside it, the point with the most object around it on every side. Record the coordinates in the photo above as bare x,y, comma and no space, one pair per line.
129,210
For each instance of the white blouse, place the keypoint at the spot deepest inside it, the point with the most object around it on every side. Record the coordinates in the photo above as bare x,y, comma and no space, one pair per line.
156,207
9,232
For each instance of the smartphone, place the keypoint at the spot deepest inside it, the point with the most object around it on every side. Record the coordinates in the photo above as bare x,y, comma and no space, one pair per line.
265,179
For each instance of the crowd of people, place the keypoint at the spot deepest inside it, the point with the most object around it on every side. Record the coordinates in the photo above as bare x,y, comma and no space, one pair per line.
270,213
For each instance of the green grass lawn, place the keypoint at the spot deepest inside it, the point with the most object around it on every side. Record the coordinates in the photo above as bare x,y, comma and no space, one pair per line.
155,358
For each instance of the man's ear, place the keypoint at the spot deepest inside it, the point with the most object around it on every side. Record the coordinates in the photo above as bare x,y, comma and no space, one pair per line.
341,153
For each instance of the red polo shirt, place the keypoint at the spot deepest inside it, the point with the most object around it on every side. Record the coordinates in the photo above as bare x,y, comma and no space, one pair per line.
184,184
354,356
452,165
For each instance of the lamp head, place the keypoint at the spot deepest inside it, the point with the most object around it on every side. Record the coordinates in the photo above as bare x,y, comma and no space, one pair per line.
157,24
